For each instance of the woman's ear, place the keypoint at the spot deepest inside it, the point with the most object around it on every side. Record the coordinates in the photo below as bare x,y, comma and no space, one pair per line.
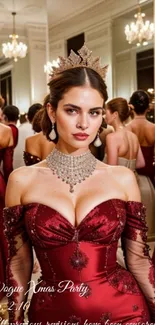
115,114
51,113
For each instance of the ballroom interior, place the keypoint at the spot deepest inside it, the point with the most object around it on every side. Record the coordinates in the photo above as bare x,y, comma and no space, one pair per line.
52,28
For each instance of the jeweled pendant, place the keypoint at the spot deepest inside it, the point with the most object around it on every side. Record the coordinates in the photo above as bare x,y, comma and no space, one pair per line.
97,142
71,188
71,169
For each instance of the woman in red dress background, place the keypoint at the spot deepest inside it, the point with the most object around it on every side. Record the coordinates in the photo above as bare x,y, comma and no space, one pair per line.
10,117
6,162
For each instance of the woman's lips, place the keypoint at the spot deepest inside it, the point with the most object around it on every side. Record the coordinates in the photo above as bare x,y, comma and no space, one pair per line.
80,136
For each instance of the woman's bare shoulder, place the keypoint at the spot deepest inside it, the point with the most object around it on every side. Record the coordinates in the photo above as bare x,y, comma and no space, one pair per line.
5,135
151,126
120,173
4,128
22,174
125,177
132,135
32,138
19,180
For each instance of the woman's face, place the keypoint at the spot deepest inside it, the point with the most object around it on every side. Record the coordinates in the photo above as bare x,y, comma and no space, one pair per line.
78,116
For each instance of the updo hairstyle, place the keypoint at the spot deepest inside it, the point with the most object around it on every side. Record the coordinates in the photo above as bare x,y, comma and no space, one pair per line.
140,101
119,105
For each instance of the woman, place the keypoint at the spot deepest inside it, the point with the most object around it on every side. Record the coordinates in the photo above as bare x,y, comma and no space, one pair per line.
2,103
74,209
6,161
37,147
145,132
10,118
122,146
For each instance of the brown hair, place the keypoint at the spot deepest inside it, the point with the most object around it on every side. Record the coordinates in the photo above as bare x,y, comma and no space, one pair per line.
2,102
37,120
140,101
119,105
74,77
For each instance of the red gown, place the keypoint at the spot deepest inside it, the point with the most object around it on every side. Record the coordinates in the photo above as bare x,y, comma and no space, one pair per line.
81,279
15,134
6,161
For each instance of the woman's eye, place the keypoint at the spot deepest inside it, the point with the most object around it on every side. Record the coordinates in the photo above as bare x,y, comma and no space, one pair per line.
94,113
71,110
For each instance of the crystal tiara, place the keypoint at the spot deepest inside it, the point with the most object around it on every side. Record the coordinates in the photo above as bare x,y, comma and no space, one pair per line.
84,59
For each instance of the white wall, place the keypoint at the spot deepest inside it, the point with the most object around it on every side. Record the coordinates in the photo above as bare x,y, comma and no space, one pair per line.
29,84
104,35
124,54
37,50
98,39
21,84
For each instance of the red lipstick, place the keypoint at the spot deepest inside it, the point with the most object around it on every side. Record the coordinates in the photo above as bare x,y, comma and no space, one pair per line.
80,136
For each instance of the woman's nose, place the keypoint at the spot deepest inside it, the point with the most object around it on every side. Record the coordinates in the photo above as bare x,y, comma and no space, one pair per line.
83,122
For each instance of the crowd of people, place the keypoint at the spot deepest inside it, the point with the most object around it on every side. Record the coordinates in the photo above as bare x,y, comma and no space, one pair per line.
85,189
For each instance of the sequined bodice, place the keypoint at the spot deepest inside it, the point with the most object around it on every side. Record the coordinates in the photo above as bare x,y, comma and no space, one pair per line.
53,229
97,235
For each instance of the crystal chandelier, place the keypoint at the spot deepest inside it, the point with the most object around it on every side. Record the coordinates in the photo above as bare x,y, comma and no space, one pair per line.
140,31
14,49
48,67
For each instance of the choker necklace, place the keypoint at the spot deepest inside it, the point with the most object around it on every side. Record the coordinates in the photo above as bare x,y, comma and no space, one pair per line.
71,169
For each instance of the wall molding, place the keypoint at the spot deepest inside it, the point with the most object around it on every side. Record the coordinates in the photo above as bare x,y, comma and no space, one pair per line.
6,68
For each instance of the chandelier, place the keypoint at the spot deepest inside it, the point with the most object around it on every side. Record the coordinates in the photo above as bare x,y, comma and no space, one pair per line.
48,67
140,31
14,49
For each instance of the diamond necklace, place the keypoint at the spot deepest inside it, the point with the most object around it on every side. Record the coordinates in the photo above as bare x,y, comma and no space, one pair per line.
71,169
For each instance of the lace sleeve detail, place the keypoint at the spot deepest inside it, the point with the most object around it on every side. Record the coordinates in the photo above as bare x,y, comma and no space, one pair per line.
20,261
30,159
136,252
7,162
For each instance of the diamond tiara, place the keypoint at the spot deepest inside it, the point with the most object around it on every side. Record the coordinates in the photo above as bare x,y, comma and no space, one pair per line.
84,59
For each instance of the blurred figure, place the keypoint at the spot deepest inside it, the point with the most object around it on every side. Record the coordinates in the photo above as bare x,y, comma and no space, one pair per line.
36,123
122,146
33,110
6,160
145,132
10,117
2,102
25,130
23,118
37,147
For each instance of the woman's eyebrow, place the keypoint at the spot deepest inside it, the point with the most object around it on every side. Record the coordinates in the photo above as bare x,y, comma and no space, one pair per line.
78,107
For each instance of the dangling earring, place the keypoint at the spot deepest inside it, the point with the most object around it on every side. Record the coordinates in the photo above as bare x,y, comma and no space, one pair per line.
97,142
52,134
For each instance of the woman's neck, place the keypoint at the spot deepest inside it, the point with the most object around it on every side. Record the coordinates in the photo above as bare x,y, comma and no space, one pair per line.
140,117
67,149
118,126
